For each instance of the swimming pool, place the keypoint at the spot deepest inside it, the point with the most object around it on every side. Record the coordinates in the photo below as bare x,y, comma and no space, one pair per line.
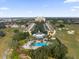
40,44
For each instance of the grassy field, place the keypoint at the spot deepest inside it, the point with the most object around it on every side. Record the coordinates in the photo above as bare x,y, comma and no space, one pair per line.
5,41
71,41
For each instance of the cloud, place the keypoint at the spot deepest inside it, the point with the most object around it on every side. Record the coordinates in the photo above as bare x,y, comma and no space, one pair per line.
69,1
75,8
3,11
3,8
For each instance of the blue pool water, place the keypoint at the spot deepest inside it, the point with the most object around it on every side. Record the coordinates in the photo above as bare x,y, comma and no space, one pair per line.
40,44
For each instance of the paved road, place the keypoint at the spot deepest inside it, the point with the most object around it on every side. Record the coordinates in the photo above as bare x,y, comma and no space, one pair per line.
5,54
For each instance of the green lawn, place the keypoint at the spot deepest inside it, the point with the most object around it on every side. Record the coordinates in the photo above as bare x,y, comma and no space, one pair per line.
71,41
5,41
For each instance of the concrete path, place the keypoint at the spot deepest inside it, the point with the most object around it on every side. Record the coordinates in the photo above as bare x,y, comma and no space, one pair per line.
5,54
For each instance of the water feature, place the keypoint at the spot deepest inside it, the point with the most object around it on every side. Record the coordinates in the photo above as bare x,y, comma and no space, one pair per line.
40,44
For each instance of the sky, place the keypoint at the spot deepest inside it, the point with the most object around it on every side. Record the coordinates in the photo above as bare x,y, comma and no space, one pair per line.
33,8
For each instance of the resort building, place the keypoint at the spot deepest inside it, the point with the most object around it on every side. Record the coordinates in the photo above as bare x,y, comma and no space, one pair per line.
41,25
40,30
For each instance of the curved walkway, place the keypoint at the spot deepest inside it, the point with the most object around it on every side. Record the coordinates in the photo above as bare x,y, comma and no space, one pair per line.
54,33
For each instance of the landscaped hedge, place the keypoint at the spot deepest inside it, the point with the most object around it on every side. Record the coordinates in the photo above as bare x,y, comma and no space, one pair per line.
55,50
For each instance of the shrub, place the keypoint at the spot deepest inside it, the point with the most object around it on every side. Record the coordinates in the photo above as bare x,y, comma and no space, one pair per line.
21,42
19,36
15,55
16,31
2,34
